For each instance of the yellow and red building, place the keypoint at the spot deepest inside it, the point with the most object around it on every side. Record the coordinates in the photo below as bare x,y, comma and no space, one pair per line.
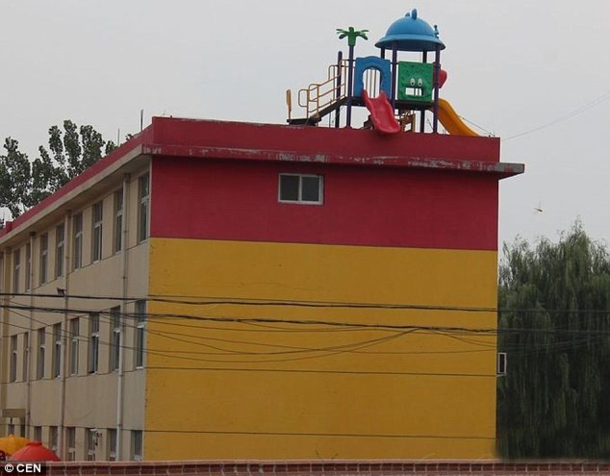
279,292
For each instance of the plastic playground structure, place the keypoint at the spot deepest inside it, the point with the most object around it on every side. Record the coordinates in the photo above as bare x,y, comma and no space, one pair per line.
397,94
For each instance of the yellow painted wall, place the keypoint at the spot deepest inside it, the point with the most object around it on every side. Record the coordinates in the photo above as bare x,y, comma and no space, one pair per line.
226,389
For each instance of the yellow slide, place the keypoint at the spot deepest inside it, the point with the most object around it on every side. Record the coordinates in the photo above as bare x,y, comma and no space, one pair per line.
451,120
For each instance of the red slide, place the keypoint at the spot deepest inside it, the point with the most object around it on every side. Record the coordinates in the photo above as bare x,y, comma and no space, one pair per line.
382,113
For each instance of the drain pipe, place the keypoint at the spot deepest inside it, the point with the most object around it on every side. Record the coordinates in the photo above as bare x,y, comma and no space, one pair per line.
62,446
124,273
28,351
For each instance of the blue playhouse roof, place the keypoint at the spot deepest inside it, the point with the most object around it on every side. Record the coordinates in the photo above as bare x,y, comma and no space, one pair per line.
411,33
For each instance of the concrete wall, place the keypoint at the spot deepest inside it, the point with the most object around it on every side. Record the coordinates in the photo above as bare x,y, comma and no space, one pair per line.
268,369
83,400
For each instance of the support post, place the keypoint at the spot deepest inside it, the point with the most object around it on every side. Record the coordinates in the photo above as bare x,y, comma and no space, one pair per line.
338,87
422,123
437,70
350,82
394,72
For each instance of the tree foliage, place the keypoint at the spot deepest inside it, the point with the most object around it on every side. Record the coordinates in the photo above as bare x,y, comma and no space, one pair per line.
555,327
70,151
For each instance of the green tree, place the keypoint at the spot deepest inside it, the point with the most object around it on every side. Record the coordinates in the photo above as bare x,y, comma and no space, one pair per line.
555,326
15,178
70,151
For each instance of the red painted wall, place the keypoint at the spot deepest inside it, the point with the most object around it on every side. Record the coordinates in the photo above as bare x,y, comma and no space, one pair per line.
324,142
376,206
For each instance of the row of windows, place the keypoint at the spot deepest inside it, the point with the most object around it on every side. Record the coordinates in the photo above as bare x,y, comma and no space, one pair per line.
75,339
95,449
97,239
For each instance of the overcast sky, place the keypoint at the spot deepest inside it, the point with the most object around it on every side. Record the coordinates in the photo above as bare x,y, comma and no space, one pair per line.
514,66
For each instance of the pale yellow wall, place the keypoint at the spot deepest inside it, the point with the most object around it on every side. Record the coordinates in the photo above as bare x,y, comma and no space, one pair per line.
90,400
226,390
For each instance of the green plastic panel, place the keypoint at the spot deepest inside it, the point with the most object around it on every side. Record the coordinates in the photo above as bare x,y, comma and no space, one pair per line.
415,82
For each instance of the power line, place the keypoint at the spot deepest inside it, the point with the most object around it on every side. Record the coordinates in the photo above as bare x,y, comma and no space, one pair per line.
309,322
215,301
604,97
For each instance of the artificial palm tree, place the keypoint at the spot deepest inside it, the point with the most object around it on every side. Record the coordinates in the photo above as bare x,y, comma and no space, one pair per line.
352,35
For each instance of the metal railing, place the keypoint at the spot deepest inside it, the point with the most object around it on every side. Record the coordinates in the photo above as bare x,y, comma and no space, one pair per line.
318,96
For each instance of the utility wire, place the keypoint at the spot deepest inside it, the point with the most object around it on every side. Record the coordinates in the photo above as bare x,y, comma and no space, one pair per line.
604,97
214,301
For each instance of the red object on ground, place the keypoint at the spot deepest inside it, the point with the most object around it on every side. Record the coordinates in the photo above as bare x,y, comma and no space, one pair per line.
382,113
34,451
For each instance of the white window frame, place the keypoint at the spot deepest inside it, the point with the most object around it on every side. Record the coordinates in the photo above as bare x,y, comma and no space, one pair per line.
117,246
74,345
16,270
41,358
60,247
53,438
94,342
115,338
71,443
139,348
502,363
44,258
13,365
111,444
28,267
137,444
143,207
56,357
90,443
26,356
97,231
77,224
300,200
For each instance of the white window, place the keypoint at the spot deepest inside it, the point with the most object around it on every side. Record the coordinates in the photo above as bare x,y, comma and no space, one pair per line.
98,218
53,438
26,356
144,200
71,442
305,189
74,338
38,433
56,357
42,337
90,443
44,257
60,238
140,333
16,270
115,338
94,342
13,371
118,221
28,267
502,363
136,445
77,224
111,444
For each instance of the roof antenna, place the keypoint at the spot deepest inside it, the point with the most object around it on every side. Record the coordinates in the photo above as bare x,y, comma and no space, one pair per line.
141,119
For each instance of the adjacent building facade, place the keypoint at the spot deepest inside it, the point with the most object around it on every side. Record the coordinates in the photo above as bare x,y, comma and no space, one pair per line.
218,290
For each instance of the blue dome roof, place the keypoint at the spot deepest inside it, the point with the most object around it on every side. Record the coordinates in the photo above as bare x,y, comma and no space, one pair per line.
411,33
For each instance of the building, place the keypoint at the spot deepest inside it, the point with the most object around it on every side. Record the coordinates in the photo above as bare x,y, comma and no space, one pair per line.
224,290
